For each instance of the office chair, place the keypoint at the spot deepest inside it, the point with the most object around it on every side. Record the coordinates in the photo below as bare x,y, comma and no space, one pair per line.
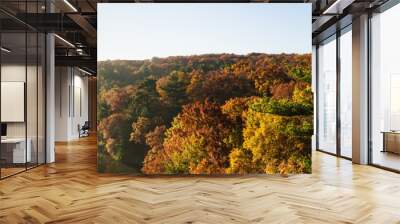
84,130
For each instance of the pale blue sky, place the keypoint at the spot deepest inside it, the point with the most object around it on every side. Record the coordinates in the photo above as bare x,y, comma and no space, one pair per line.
143,31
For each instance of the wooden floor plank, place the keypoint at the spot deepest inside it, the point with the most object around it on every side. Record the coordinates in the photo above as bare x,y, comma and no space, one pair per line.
71,191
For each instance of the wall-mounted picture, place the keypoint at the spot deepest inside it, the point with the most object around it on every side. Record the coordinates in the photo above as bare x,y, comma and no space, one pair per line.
211,89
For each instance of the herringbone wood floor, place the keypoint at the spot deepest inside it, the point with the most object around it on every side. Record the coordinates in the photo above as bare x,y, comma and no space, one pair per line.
71,191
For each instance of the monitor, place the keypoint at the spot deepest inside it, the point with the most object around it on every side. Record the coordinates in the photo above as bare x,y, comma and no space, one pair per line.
3,129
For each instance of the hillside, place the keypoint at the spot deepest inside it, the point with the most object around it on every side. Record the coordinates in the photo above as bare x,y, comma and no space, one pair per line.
214,113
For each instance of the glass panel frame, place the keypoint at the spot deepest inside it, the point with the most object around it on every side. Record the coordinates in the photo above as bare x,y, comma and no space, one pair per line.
327,96
345,93
384,86
337,141
26,57
13,77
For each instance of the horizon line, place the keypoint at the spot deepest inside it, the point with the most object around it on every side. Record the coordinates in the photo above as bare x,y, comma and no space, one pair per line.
202,54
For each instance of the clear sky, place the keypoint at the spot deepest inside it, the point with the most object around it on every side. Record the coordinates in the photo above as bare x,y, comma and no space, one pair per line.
143,31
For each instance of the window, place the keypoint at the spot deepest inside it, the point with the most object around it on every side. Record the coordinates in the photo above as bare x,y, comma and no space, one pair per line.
346,93
385,89
22,98
327,96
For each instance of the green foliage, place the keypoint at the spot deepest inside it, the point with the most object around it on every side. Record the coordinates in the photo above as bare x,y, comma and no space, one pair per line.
172,88
103,110
282,107
240,161
195,142
206,114
140,129
101,160
234,109
301,74
172,91
116,73
301,69
303,96
145,102
279,144
219,86
154,162
191,155
113,132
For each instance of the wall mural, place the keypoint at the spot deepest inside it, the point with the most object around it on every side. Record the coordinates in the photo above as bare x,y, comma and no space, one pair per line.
215,113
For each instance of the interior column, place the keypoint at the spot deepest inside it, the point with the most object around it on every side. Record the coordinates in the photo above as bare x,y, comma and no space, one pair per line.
360,90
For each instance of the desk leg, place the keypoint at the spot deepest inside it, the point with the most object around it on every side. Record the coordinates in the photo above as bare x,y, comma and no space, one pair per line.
384,142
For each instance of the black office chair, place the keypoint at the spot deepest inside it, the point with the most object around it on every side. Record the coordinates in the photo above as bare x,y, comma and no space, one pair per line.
84,130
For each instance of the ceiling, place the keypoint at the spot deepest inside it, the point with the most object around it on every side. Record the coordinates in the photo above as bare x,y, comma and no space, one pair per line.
329,16
75,21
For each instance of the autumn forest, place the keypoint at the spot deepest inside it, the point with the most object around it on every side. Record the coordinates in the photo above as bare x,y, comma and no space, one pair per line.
206,114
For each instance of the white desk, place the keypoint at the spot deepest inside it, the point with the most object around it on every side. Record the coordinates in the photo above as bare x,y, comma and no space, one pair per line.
18,149
391,141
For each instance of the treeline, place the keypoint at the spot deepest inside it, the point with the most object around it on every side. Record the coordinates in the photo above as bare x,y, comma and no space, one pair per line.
206,114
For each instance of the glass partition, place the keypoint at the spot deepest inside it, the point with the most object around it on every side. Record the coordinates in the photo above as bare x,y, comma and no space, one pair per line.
385,89
32,98
41,96
14,155
327,95
346,93
22,88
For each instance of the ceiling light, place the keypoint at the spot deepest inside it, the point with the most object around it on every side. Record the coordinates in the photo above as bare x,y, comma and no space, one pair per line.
331,7
338,6
70,5
65,41
79,51
5,50
84,71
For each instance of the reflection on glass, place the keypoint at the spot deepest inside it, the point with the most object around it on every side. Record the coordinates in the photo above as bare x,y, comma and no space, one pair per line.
394,102
385,84
346,94
327,96
41,99
22,91
14,153
31,101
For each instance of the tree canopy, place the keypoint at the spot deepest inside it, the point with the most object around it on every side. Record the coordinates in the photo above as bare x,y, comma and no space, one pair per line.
206,114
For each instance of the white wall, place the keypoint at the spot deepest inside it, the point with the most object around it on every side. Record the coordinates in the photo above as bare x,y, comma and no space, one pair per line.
14,73
80,109
62,81
33,127
71,102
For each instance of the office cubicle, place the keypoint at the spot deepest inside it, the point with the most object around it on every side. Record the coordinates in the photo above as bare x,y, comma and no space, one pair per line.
22,78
